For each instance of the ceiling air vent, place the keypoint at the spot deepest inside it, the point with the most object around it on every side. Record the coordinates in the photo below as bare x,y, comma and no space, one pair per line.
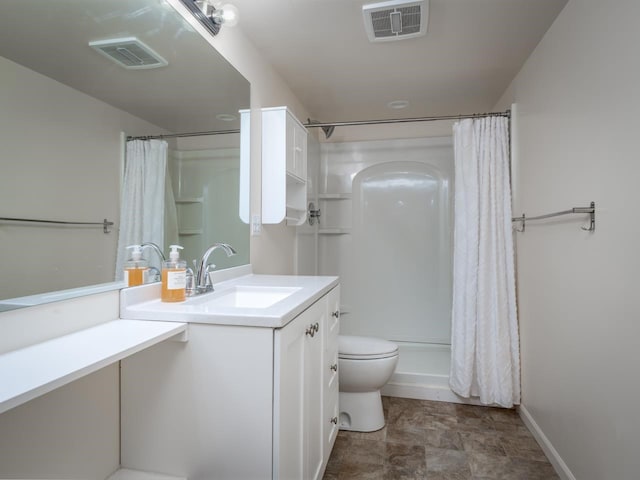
395,19
129,53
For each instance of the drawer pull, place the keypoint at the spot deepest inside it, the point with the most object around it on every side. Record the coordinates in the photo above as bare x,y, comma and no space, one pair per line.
312,330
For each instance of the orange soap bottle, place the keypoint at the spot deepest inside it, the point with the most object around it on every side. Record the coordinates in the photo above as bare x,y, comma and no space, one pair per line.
174,277
136,268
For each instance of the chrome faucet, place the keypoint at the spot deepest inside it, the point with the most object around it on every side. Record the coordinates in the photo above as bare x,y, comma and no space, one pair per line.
153,270
203,282
155,248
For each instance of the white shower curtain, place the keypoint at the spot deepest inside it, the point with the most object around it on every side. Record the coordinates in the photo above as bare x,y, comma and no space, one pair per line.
485,357
142,207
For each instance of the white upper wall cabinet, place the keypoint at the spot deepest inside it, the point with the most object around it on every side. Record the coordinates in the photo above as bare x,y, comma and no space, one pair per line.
284,167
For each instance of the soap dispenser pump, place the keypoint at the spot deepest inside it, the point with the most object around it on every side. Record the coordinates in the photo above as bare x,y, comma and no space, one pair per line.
174,276
136,268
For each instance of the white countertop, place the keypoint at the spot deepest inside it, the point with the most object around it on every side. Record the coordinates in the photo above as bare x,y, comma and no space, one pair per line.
143,303
34,370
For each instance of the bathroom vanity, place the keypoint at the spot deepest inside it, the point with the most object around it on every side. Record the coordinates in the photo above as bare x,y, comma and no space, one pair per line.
252,394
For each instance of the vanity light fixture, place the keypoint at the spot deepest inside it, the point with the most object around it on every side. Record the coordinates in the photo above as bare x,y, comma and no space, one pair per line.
213,17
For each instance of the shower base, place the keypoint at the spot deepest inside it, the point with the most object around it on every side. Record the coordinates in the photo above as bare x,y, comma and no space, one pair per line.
423,373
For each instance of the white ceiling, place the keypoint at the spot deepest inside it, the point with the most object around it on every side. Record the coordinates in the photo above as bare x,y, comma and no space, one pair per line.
184,96
472,51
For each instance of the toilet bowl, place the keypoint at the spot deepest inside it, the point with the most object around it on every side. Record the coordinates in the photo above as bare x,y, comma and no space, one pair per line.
365,364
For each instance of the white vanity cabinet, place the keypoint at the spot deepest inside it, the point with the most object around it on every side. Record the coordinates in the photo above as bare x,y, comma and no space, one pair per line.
284,167
236,402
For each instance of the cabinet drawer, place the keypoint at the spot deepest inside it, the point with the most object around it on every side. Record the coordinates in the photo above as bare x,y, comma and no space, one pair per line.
331,418
331,370
333,324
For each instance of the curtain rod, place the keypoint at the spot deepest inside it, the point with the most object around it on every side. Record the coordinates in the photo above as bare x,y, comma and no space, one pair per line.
180,135
506,113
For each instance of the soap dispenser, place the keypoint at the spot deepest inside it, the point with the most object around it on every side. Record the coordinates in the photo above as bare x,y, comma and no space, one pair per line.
136,268
174,277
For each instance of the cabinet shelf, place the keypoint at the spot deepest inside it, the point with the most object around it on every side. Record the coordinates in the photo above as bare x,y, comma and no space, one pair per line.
295,216
292,208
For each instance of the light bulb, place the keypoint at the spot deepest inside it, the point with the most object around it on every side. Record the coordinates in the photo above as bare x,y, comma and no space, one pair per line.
229,15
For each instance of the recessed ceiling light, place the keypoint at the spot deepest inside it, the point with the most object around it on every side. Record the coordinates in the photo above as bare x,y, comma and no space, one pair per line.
226,117
398,104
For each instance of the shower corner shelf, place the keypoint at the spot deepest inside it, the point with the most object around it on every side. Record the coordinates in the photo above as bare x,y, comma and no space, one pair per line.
191,231
189,199
334,196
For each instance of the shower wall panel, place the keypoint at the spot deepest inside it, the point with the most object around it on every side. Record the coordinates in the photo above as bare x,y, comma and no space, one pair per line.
386,231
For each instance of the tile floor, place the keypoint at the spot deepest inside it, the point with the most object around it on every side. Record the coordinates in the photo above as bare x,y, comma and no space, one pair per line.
440,441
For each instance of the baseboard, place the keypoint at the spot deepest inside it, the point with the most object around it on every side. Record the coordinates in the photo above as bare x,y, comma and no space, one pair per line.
552,454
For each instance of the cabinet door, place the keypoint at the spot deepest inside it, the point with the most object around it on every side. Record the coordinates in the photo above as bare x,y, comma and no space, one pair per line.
298,452
290,134
300,152
314,393
296,148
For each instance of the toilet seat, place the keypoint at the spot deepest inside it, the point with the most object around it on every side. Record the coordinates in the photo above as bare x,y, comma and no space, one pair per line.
365,348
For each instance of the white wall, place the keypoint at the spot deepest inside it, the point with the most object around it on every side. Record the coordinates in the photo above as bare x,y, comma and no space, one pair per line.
61,160
577,129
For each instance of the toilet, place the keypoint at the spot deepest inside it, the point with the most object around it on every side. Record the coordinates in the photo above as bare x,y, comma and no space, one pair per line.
365,364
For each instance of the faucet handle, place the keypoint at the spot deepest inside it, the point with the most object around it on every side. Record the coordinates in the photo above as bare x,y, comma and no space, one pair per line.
154,275
190,288
207,272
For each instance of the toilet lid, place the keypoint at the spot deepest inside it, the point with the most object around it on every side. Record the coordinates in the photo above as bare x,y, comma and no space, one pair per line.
365,347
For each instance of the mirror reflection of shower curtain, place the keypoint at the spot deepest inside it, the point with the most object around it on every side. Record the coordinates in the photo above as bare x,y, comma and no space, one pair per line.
144,199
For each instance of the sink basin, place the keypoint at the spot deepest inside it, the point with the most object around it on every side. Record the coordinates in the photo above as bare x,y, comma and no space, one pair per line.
252,296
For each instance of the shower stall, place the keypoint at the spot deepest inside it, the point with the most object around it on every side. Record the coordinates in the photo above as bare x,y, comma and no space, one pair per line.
385,227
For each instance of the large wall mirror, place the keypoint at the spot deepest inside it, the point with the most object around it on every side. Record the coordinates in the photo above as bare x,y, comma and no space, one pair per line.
65,107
